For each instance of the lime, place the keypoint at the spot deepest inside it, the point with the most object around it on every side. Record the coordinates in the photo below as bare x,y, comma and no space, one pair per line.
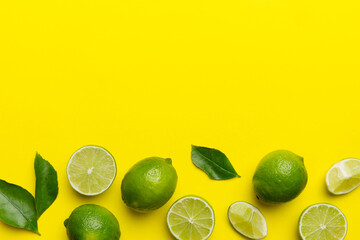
93,222
344,176
191,218
322,222
280,177
247,220
149,184
91,170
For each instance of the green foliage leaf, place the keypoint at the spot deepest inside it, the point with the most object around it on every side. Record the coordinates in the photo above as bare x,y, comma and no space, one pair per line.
46,184
17,207
213,162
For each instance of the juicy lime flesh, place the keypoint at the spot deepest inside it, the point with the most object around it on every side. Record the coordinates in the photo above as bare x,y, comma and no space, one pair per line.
322,222
280,177
92,221
91,170
247,220
149,184
191,218
344,176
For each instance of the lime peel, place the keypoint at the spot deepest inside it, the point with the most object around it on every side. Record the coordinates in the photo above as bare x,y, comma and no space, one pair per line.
279,177
149,184
91,221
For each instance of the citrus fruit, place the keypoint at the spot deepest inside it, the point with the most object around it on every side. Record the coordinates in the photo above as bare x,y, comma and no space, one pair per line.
322,222
191,218
93,222
280,177
91,170
247,220
344,176
149,184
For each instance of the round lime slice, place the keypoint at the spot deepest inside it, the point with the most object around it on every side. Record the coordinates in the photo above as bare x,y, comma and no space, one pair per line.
344,176
322,222
91,170
247,220
191,218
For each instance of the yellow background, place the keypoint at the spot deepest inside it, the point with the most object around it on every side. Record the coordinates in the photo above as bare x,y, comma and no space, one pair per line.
151,77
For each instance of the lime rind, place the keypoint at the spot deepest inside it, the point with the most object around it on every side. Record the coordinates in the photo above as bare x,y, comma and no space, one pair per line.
180,221
81,165
316,230
344,176
149,184
237,221
92,221
279,177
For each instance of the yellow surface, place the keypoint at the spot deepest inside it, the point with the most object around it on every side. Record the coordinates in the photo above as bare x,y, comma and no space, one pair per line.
151,77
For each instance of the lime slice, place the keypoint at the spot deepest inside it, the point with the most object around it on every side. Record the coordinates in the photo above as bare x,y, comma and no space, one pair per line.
344,176
91,170
191,218
322,222
247,220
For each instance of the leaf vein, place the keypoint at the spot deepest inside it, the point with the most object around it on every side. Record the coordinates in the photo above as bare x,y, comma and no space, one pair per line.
232,173
15,206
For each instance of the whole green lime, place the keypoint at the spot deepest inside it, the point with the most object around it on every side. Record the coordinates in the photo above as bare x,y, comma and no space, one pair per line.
149,184
280,177
92,222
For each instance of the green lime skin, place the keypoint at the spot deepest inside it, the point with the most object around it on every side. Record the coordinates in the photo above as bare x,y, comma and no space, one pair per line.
280,177
149,184
92,222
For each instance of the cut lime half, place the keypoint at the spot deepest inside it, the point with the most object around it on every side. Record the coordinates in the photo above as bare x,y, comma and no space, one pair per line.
322,222
91,170
191,218
343,176
247,220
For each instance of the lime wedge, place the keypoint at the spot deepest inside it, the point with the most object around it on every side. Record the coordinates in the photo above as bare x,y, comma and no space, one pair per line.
344,176
91,170
191,218
247,220
322,222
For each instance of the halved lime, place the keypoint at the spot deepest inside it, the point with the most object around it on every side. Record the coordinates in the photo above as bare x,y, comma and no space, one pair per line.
91,170
322,221
343,176
247,220
191,218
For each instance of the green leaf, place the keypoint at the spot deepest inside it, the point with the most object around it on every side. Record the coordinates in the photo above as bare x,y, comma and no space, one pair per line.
17,207
46,189
213,162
